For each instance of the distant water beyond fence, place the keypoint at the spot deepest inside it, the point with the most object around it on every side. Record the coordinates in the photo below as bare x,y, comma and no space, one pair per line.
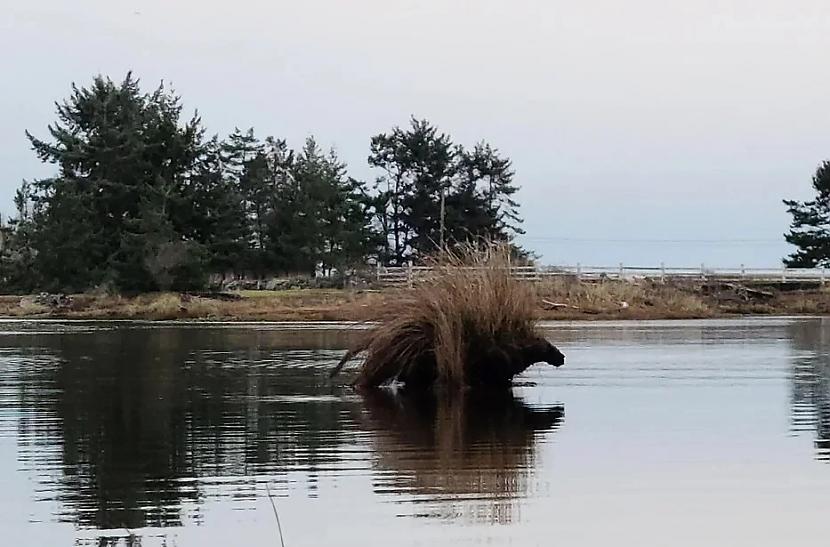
407,275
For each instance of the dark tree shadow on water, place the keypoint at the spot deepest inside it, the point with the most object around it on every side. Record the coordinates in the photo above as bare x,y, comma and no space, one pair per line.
468,456
810,401
132,422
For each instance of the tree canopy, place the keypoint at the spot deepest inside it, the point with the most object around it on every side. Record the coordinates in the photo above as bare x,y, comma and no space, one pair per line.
143,199
810,227
432,192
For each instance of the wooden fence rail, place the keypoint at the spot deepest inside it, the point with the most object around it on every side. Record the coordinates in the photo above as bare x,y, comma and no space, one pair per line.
407,275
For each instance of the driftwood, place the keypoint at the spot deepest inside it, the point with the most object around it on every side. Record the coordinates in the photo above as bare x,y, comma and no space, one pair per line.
741,291
53,301
223,296
558,305
756,293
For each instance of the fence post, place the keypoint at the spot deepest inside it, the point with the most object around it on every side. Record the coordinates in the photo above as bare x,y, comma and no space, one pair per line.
702,270
662,272
743,271
409,275
621,270
578,271
822,275
377,271
783,274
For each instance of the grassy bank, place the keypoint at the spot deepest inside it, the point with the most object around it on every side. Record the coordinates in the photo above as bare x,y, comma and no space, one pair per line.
559,299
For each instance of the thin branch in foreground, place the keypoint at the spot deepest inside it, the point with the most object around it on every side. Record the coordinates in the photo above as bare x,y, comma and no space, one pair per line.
276,514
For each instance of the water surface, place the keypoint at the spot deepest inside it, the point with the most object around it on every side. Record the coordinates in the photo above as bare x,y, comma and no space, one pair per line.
657,433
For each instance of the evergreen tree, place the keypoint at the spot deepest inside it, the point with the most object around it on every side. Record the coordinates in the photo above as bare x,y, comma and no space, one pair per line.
390,153
434,193
432,167
211,212
320,219
810,227
17,273
486,174
142,201
123,157
418,165
261,172
243,163
342,229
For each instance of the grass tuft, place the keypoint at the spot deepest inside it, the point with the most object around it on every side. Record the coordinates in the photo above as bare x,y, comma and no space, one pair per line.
468,305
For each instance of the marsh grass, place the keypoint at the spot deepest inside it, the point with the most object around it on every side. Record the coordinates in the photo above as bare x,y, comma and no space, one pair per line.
585,299
313,305
467,303
626,298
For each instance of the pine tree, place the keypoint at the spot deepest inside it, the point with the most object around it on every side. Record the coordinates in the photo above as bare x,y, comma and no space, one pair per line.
243,164
418,165
810,227
434,193
344,231
390,154
211,211
485,173
123,157
17,272
142,201
320,219
293,223
432,168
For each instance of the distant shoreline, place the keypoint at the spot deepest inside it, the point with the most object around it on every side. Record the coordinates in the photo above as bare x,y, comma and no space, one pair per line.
557,301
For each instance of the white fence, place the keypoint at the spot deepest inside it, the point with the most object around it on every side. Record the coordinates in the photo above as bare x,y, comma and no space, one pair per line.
407,275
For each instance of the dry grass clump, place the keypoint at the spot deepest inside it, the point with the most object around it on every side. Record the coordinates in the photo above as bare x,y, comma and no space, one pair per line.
815,302
468,305
27,307
293,305
683,304
156,306
626,298
163,306
601,295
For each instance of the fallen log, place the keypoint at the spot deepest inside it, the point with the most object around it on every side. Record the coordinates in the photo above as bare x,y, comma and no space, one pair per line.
741,291
558,305
223,296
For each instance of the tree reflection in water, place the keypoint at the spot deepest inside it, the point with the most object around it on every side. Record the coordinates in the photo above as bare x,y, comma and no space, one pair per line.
811,382
131,429
127,428
470,455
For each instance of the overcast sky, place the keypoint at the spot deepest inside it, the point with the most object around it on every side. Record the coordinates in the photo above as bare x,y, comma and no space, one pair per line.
641,131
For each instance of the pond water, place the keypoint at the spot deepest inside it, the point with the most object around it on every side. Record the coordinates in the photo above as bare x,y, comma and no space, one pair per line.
657,433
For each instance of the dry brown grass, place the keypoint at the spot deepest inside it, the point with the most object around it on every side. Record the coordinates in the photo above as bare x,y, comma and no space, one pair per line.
468,303
623,299
580,300
311,305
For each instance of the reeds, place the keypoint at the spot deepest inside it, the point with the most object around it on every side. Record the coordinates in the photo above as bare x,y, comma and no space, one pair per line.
644,299
467,309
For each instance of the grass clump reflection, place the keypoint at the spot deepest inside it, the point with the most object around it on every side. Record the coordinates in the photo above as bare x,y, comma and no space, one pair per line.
471,455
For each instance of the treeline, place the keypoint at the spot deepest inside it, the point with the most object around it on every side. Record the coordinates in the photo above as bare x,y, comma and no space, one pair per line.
143,199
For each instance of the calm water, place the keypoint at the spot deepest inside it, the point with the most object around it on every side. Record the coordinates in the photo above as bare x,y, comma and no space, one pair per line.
654,433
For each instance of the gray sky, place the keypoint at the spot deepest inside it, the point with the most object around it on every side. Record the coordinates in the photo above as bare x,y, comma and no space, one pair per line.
631,124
